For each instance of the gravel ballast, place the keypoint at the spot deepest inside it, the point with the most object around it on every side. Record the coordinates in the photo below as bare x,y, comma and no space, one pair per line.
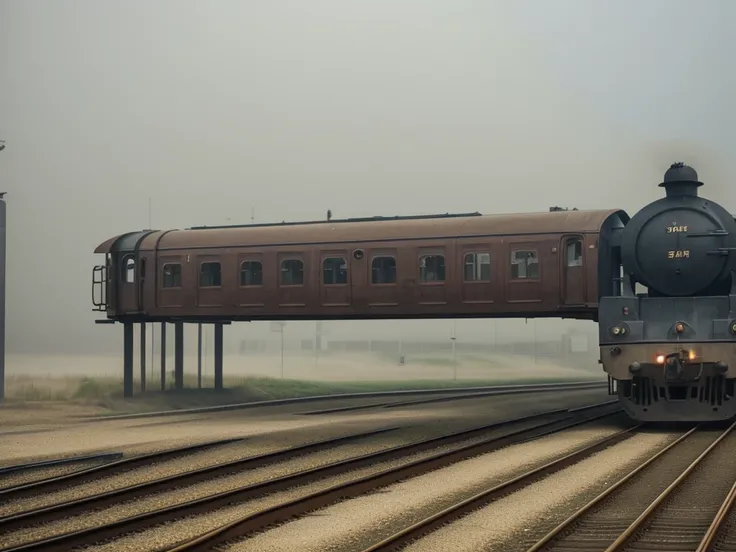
352,524
517,521
221,484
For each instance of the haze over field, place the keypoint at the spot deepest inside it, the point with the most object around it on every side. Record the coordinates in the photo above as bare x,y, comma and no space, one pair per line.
223,111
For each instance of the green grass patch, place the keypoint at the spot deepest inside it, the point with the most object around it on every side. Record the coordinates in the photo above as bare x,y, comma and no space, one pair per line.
107,393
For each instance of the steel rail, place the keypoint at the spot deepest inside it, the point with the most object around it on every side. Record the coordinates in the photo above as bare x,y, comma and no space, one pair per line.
474,395
621,542
204,505
60,462
402,404
95,472
526,388
719,522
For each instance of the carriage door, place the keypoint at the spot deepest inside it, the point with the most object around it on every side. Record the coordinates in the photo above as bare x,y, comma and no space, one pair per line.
573,271
128,292
335,279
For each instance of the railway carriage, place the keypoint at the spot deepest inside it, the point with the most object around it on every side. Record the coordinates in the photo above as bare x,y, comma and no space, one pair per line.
470,265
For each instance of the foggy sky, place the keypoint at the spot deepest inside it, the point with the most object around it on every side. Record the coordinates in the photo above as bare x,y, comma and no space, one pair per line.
212,109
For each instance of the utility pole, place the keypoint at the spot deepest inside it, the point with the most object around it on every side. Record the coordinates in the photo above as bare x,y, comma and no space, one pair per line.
278,327
153,326
3,233
282,349
454,357
317,342
199,355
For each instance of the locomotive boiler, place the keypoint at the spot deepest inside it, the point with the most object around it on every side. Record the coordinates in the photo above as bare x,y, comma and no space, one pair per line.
668,335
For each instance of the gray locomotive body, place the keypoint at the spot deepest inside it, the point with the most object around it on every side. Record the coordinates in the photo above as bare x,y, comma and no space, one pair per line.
668,335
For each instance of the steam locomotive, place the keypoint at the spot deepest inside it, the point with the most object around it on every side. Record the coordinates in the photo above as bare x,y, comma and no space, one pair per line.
668,335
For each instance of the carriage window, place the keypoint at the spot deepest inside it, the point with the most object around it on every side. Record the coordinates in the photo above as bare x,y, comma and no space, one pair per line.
575,253
383,270
524,265
334,271
292,272
432,268
210,275
251,273
172,275
129,269
478,267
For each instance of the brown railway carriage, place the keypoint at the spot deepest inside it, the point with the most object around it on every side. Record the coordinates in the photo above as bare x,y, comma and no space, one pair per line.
551,264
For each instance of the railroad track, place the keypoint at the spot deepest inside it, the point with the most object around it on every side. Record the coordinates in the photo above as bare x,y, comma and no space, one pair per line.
669,502
412,402
20,474
721,534
29,466
461,445
495,389
101,500
283,512
681,498
93,473
64,480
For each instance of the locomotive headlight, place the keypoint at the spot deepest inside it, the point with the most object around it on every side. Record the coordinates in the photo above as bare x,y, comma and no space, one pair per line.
679,327
691,355
618,330
660,359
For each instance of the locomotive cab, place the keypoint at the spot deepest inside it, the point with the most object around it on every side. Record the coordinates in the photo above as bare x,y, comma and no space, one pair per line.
670,352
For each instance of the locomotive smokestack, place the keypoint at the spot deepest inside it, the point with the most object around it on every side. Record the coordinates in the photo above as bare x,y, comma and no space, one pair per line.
681,180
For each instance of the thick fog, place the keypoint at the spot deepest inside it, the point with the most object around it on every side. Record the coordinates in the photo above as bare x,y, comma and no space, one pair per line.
236,110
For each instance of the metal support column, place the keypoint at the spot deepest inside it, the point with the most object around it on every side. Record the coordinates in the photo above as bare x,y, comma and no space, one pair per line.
178,355
218,356
2,295
163,356
143,357
128,359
